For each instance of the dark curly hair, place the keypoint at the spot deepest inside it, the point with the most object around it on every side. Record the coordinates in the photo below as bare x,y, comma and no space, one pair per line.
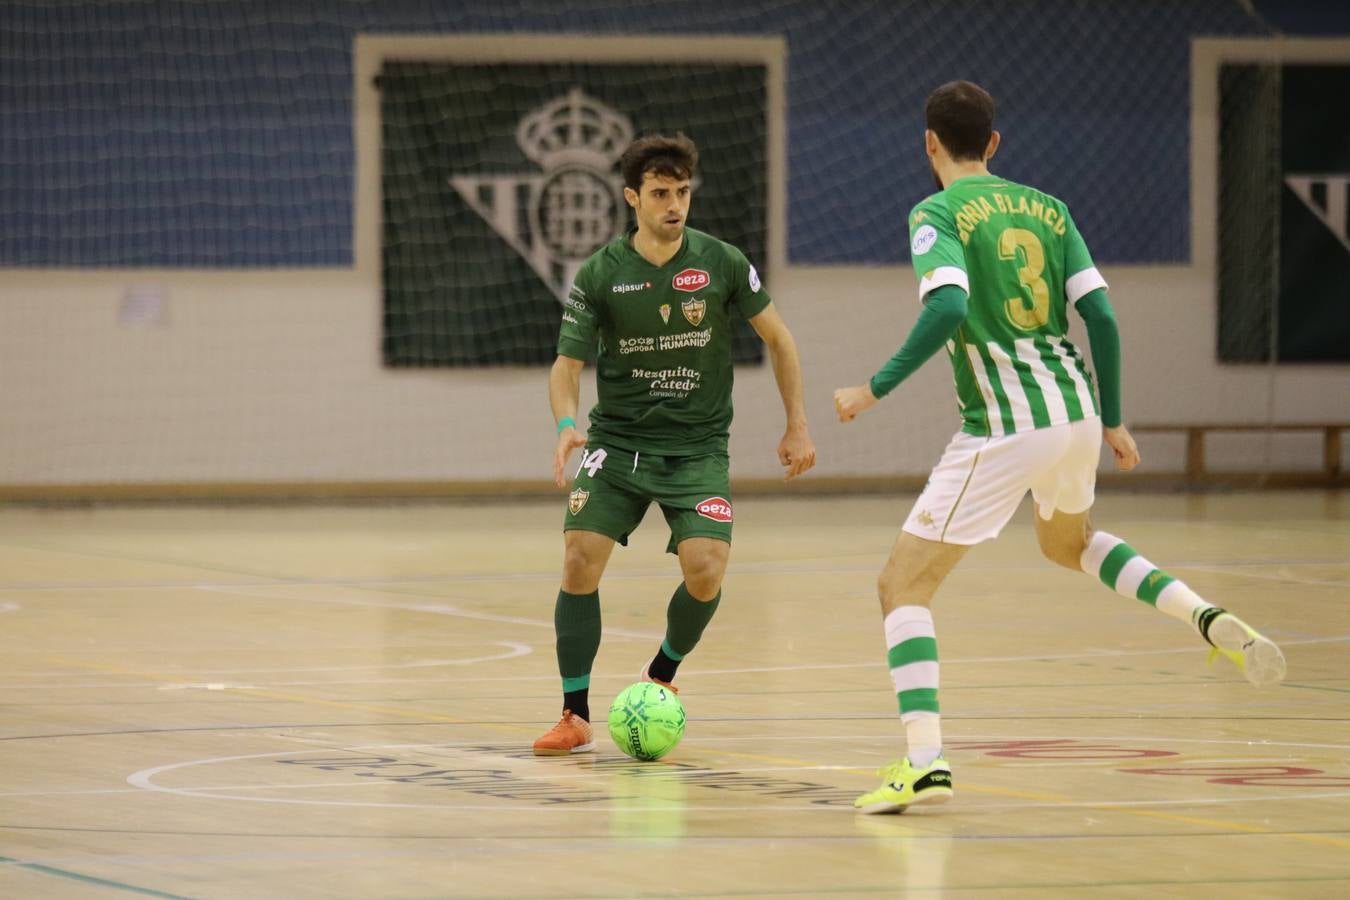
673,157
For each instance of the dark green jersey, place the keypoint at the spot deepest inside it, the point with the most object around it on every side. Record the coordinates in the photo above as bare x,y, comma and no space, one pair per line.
661,339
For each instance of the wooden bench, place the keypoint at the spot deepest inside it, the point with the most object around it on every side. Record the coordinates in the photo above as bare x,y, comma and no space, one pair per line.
1195,442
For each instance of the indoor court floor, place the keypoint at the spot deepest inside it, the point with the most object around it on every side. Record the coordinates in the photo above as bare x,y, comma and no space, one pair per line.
339,701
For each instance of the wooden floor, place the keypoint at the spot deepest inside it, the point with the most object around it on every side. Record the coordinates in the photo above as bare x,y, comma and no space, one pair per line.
339,702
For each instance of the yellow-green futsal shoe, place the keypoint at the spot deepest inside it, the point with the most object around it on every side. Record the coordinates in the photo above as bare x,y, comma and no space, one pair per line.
905,786
1256,655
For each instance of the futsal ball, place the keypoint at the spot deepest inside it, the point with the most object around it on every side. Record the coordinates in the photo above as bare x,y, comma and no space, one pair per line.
646,720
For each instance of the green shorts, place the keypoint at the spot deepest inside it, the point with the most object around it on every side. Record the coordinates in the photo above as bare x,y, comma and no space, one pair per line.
613,489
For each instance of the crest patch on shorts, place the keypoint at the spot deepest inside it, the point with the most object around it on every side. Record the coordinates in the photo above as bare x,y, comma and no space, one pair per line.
576,500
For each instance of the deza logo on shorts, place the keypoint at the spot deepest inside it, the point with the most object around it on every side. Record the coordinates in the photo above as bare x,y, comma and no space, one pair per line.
691,280
716,508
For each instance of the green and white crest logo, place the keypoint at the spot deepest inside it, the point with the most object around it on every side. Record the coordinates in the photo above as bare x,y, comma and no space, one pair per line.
499,181
575,204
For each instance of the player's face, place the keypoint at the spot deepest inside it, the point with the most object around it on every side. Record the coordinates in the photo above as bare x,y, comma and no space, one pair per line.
662,205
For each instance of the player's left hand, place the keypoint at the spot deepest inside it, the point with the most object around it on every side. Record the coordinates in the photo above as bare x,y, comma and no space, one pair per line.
850,401
1122,446
568,440
796,451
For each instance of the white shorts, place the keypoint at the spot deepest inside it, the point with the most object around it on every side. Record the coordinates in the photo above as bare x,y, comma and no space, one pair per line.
979,482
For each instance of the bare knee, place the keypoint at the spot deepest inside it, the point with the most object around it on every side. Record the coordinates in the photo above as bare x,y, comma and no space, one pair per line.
914,571
703,569
1063,547
582,567
889,586
703,580
576,561
898,587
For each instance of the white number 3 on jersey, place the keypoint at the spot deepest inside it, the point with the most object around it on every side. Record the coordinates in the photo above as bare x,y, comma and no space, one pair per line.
592,461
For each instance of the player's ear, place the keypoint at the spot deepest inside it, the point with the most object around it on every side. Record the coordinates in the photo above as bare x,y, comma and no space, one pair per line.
992,148
631,196
930,142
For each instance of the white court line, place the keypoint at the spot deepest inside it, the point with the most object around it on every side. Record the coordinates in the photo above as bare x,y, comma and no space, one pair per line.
144,779
1094,653
82,793
813,567
1268,577
446,610
1103,654
440,609
10,607
513,650
982,738
218,787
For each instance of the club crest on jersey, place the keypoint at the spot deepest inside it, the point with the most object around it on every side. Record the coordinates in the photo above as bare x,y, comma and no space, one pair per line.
691,280
716,508
576,500
693,311
665,313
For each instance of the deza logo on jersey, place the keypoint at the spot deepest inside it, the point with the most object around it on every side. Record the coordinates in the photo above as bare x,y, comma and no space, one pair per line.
716,508
691,280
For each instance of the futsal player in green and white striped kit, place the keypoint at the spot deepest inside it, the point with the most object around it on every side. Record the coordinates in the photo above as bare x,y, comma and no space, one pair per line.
998,265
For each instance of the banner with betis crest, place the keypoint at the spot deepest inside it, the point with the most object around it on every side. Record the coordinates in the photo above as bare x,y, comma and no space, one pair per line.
500,179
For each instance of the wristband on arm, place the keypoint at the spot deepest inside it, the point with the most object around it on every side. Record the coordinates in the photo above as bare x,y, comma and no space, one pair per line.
565,423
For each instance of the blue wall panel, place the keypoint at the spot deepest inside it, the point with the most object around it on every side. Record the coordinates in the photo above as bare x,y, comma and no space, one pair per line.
218,134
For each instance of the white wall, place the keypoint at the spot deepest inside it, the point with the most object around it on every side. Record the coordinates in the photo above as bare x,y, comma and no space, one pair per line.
276,376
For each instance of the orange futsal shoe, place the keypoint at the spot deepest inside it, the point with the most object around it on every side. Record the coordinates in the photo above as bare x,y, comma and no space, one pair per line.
572,734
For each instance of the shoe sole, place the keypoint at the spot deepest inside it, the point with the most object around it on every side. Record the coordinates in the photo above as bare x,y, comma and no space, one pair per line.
563,751
927,798
1264,664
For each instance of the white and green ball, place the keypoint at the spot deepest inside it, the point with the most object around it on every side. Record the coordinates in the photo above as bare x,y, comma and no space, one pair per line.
646,720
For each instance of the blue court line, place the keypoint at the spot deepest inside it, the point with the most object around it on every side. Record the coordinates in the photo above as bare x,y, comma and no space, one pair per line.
89,879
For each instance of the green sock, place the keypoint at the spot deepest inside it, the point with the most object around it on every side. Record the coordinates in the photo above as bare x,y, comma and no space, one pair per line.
685,620
1120,567
576,619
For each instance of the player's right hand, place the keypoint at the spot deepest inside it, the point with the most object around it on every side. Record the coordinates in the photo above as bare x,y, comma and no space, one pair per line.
569,440
1123,446
850,401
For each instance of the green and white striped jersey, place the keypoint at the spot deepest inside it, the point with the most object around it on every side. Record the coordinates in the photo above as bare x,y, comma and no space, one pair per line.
1018,255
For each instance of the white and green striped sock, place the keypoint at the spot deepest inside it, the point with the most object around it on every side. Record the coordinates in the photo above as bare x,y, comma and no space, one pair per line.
1127,573
911,644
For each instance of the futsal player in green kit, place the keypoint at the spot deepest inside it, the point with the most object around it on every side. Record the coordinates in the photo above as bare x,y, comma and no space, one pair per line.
998,265
658,303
